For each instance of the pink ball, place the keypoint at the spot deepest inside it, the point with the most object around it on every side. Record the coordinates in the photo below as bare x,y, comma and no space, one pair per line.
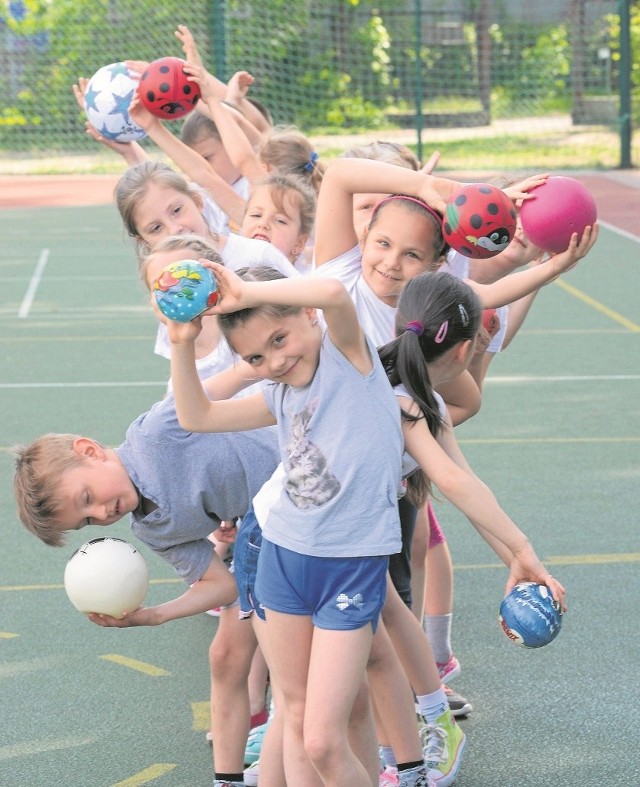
561,207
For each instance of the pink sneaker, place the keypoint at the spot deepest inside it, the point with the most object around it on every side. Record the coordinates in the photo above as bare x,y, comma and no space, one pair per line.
389,777
449,670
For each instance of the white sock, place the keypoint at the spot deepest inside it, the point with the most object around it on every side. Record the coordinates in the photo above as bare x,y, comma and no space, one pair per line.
433,705
389,758
438,631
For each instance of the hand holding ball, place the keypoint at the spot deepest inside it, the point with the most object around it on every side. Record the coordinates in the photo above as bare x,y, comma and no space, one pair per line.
479,221
107,576
106,103
184,290
530,616
165,89
560,207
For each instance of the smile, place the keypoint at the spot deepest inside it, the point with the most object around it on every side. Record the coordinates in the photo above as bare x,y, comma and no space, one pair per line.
259,236
386,275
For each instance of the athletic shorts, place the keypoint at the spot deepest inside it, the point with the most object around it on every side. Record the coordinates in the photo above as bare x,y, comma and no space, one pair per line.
246,550
338,594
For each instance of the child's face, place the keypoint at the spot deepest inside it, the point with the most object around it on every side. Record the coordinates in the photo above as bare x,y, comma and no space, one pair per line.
363,205
98,491
163,211
212,150
284,349
399,247
263,220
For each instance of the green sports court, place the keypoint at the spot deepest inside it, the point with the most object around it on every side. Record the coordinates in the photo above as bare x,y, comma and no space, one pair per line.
557,439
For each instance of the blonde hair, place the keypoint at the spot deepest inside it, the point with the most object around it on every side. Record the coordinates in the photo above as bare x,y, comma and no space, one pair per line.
287,151
202,248
198,127
388,152
135,182
39,468
299,191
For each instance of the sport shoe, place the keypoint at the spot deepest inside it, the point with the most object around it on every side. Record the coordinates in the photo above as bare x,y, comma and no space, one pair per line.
389,777
458,705
415,777
220,783
442,747
259,718
449,670
254,744
251,774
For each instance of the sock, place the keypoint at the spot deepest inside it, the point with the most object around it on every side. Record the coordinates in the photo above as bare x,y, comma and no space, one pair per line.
438,631
388,757
433,705
407,766
229,777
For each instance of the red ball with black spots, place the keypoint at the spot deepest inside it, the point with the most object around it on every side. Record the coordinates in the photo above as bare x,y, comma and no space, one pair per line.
165,90
479,220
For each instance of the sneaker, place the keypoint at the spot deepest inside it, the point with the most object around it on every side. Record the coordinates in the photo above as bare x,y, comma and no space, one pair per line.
449,669
389,777
251,774
442,747
254,744
214,613
415,777
220,783
458,705
258,719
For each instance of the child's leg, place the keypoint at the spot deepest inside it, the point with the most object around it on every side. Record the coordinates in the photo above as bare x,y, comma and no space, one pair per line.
418,558
331,694
258,677
362,733
230,657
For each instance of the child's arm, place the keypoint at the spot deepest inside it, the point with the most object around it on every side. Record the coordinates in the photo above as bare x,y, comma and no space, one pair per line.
443,463
343,178
231,381
191,163
462,397
517,285
235,141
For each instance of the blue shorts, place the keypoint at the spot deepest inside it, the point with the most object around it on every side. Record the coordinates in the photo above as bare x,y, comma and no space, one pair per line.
338,593
245,564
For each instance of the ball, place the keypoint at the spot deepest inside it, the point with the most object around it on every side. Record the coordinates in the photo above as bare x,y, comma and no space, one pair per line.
108,576
165,90
530,616
106,103
561,207
479,220
184,290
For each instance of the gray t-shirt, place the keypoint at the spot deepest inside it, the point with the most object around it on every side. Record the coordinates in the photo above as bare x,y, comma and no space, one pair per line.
195,480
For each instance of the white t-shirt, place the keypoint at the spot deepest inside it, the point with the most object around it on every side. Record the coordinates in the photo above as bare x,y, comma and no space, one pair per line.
215,217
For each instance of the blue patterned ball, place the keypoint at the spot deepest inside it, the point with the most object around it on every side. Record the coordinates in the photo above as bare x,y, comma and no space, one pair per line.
530,616
184,290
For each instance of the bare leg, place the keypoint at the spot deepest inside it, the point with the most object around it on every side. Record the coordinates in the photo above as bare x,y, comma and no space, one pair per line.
258,682
418,561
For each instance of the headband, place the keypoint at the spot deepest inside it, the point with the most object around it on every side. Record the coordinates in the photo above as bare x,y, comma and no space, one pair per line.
407,198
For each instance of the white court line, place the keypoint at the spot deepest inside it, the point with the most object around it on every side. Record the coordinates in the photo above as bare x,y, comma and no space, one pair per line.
618,231
25,306
83,385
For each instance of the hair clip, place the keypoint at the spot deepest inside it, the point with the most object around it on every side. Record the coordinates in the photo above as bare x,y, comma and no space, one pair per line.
309,166
415,326
442,332
463,315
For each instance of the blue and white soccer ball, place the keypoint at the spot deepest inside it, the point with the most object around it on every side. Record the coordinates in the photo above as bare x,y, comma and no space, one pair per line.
106,102
530,616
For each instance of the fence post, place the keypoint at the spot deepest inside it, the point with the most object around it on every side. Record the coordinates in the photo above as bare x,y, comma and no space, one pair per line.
419,121
217,37
625,84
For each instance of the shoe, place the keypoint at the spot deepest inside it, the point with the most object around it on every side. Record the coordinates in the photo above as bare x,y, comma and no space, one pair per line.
415,777
251,774
254,744
258,719
389,777
449,669
215,612
220,783
442,747
458,705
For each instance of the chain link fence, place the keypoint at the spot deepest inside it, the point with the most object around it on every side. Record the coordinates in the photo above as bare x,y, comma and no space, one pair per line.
440,70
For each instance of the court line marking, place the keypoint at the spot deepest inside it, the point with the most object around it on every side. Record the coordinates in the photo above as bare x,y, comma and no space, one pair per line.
27,301
619,231
60,586
134,664
597,305
8,635
147,775
201,715
543,440
38,747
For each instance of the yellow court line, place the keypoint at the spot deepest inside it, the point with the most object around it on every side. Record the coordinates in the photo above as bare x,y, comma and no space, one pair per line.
140,666
60,586
8,635
201,714
600,307
542,440
147,775
563,560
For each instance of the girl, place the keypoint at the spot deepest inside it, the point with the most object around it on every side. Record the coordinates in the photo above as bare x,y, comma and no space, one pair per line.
322,566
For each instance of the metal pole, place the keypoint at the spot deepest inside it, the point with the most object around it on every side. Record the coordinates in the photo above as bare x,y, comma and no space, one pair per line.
625,84
216,30
419,121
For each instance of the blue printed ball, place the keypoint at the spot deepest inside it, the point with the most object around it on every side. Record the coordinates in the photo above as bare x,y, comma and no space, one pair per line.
184,290
530,616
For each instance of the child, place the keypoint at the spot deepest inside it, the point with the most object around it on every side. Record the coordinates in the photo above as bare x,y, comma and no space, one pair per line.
340,445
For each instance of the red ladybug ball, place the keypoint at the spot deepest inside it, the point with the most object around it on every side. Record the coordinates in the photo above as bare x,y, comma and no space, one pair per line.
165,90
479,221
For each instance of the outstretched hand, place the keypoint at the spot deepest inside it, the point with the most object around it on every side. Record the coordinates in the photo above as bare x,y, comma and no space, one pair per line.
519,192
577,249
189,47
144,616
526,567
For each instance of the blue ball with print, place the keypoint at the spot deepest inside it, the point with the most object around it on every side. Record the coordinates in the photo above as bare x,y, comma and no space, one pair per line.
530,616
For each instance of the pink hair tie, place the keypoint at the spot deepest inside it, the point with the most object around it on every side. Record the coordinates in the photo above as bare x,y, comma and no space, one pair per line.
415,326
442,332
407,198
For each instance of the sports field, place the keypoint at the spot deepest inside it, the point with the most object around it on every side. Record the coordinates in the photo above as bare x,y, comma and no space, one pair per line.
557,439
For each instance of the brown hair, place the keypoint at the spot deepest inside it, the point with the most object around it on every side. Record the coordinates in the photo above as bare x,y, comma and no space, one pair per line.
202,248
286,150
389,152
298,190
39,467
